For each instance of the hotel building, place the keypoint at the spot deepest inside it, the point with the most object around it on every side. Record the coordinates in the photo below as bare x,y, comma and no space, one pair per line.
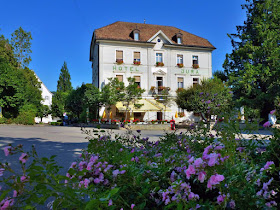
157,57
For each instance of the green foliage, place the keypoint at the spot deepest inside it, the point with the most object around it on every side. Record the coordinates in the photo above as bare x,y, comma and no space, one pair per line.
253,66
116,171
27,115
211,97
21,44
64,83
92,99
58,104
165,98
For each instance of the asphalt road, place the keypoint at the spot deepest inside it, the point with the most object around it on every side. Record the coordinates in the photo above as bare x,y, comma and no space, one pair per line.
65,142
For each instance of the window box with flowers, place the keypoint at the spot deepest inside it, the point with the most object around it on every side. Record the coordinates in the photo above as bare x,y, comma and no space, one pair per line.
180,65
179,90
159,64
153,88
195,66
135,121
119,61
160,88
181,114
136,63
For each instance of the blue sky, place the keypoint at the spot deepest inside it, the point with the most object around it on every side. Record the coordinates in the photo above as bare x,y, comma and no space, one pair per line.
62,29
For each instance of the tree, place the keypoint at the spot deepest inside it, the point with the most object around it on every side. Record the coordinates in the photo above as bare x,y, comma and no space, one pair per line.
92,99
253,66
58,104
211,97
21,44
44,111
165,98
64,83
132,94
112,92
11,83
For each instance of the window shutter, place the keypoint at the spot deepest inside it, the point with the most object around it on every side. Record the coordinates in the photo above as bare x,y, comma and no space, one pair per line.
119,54
120,77
136,55
180,79
137,78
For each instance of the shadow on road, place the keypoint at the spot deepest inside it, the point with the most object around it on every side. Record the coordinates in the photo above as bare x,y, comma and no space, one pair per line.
66,152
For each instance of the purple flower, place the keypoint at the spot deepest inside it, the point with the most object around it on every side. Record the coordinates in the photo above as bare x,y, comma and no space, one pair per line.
220,199
96,180
136,159
121,149
110,202
190,171
15,193
138,131
218,105
7,150
208,102
202,176
272,112
132,151
23,158
198,162
2,171
86,183
23,178
268,163
116,172
201,93
266,124
232,204
132,206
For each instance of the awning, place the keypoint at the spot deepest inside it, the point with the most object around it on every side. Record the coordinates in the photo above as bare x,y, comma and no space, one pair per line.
150,105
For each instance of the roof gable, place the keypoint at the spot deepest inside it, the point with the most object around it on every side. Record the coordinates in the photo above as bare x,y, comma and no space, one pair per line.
158,34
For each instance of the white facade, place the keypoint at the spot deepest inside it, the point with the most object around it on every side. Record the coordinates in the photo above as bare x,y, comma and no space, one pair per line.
47,100
104,66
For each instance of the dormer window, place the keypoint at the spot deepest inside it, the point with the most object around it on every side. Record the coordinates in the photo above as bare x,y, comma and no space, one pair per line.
179,38
136,34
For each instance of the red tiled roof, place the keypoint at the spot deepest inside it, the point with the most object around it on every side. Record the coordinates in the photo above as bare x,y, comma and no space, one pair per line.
123,31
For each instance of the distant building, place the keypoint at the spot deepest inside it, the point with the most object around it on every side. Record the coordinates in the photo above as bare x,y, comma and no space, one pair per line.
47,100
156,56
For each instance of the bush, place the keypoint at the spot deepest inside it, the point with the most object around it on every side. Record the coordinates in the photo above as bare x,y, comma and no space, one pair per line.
57,123
25,118
180,171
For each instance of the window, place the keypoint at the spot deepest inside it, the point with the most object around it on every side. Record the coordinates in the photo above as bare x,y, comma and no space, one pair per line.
46,98
119,56
179,40
120,77
179,59
138,80
159,57
136,57
180,81
195,60
195,81
136,36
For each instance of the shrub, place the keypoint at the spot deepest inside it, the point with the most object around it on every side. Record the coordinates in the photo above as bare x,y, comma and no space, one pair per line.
180,171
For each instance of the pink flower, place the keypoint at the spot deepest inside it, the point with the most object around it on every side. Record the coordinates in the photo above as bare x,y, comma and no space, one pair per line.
8,202
272,112
23,158
220,199
86,183
232,204
214,180
198,162
213,159
93,159
73,165
89,166
110,202
2,171
132,206
23,178
266,125
15,193
202,176
189,171
7,150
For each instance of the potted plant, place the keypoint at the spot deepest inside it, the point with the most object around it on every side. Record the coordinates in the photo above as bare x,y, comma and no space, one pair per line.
181,114
180,65
195,66
119,61
136,63
153,88
159,64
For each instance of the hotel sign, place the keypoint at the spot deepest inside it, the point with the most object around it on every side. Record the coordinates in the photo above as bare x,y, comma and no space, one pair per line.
187,71
122,68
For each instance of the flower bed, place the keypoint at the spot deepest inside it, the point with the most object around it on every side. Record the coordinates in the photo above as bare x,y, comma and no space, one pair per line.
181,171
